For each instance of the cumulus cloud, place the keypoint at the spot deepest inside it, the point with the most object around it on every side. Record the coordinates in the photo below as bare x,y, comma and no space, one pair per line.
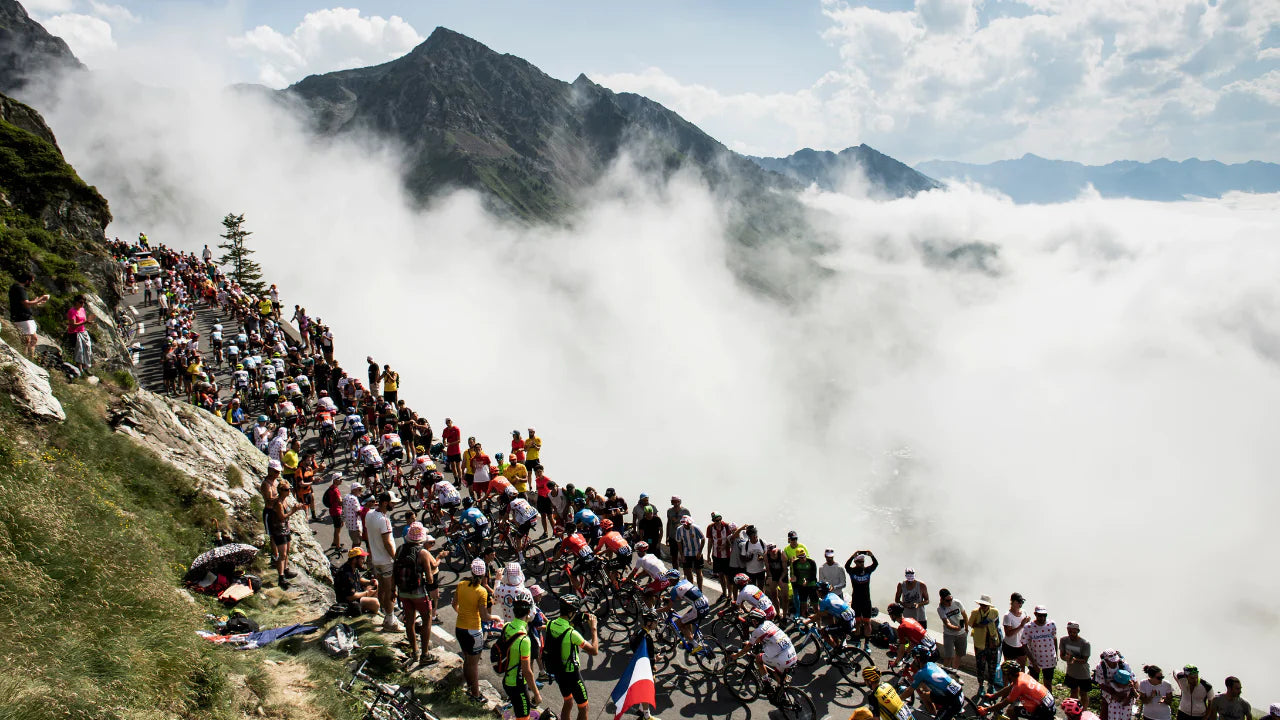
88,36
960,79
43,7
325,40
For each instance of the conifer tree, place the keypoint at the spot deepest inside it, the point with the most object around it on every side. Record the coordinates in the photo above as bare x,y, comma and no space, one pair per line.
244,270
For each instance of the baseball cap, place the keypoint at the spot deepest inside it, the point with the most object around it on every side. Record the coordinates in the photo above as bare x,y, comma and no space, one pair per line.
357,552
477,567
716,516
1041,610
357,487
791,535
1073,625
859,558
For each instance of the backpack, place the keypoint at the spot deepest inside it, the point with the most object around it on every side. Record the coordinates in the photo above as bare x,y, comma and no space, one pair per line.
407,570
339,641
553,650
240,623
499,654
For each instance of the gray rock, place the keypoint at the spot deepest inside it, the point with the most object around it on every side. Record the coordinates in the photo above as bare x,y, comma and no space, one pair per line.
28,384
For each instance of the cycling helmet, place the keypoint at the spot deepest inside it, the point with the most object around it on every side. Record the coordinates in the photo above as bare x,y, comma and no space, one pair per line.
871,675
922,652
239,366
386,427
824,587
263,418
468,501
606,525
642,546
324,393
671,575
1122,677
521,607
579,502
499,455
570,603
894,609
754,618
741,580
419,449
351,411
1071,706
1010,668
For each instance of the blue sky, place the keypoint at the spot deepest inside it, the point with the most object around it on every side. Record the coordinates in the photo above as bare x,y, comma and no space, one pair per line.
979,80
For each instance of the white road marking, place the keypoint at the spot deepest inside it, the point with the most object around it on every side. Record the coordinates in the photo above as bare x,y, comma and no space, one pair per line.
440,633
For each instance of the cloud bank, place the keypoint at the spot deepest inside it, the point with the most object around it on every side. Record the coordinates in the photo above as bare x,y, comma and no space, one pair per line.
1084,417
981,81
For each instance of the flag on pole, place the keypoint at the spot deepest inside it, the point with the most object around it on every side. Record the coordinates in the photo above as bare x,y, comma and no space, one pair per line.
635,687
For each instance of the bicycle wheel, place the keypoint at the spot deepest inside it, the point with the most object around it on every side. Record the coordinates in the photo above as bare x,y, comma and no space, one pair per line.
457,560
849,690
414,496
535,559
741,680
795,705
810,651
710,660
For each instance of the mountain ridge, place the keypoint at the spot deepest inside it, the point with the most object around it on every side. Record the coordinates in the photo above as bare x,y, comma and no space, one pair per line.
836,171
1035,179
27,50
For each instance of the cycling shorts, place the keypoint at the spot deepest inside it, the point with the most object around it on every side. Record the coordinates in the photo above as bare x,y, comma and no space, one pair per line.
524,528
571,686
697,611
780,660
395,453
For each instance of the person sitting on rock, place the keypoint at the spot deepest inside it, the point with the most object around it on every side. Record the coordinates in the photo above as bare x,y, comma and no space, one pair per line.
352,588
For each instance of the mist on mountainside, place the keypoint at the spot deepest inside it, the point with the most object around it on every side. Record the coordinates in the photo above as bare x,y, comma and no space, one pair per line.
1074,402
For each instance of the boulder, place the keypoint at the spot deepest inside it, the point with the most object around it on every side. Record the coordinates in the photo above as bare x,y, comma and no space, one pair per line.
28,384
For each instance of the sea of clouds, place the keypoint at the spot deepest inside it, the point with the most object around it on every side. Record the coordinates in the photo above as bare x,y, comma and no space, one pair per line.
1083,412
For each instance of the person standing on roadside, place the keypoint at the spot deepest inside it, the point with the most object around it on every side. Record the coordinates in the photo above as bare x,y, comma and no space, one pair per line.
860,588
1194,694
390,384
1014,621
333,502
1229,705
78,320
674,514
471,603
414,574
955,635
452,438
533,452
1075,651
913,596
351,517
751,551
1040,638
1114,679
21,308
1156,694
985,623
832,574
382,551
804,584
691,542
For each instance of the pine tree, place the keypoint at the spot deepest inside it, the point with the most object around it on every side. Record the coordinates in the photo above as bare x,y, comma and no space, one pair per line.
244,270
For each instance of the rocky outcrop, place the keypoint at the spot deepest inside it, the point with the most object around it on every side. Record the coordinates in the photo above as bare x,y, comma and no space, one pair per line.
223,464
27,50
28,385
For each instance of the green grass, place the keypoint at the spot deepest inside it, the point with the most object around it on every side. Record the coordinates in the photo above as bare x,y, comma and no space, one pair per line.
95,533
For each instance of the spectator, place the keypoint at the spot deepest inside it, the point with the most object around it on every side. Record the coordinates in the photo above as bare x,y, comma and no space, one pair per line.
1014,621
985,623
390,384
690,541
615,507
1040,639
674,513
831,573
351,514
1229,705
1075,651
1156,694
1114,679
637,513
413,586
913,596
793,546
352,589
20,310
382,552
650,527
860,589
333,502
281,509
804,583
1194,694
777,586
471,603
955,637
751,550
533,452
78,320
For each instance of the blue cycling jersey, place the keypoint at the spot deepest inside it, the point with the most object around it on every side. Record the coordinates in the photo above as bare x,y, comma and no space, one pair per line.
688,591
937,679
586,517
836,607
475,518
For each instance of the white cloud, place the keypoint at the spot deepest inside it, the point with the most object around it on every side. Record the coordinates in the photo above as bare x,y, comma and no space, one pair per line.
116,14
325,40
43,7
1093,80
88,36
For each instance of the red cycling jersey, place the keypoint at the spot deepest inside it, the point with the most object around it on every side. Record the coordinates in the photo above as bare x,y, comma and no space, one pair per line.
911,631
1029,692
575,544
612,540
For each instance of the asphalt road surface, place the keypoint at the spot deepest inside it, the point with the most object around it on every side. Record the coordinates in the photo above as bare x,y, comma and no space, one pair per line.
685,691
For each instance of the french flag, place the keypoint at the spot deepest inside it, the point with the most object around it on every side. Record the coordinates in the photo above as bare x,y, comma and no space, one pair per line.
635,687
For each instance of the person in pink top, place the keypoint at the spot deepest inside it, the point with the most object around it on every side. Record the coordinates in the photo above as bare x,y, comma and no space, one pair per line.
78,319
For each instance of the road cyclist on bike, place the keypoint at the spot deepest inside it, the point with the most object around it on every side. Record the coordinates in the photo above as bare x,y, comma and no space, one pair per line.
884,697
584,560
614,550
699,605
835,618
1019,687
652,566
750,597
778,653
946,696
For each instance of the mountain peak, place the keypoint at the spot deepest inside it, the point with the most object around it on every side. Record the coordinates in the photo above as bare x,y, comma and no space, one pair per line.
27,49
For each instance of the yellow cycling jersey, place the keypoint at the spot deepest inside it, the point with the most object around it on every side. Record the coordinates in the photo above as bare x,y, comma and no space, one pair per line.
890,705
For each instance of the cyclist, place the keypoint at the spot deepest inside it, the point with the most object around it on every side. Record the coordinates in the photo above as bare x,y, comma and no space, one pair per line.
392,446
779,654
885,699
576,545
240,379
326,403
946,696
1037,701
587,521
474,521
517,675
615,550
447,498
751,597
233,355
523,519
215,342
912,633
835,618
370,457
698,608
561,653
653,567
354,427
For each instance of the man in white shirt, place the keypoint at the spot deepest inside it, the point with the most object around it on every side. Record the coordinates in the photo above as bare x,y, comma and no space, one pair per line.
832,573
382,551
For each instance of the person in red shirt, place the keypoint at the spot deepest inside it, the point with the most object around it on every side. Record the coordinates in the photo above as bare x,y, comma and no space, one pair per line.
517,447
1037,701
452,437
576,545
333,501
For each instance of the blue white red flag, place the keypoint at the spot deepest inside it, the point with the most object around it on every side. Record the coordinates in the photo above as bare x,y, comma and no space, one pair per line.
635,687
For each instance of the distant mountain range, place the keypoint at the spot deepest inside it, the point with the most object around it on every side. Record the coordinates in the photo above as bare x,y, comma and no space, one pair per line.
861,167
1033,179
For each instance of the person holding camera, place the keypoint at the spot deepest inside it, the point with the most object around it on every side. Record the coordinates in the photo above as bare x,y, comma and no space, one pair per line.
561,653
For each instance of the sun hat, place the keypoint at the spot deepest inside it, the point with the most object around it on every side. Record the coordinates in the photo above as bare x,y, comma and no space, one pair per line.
477,567
416,533
984,600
